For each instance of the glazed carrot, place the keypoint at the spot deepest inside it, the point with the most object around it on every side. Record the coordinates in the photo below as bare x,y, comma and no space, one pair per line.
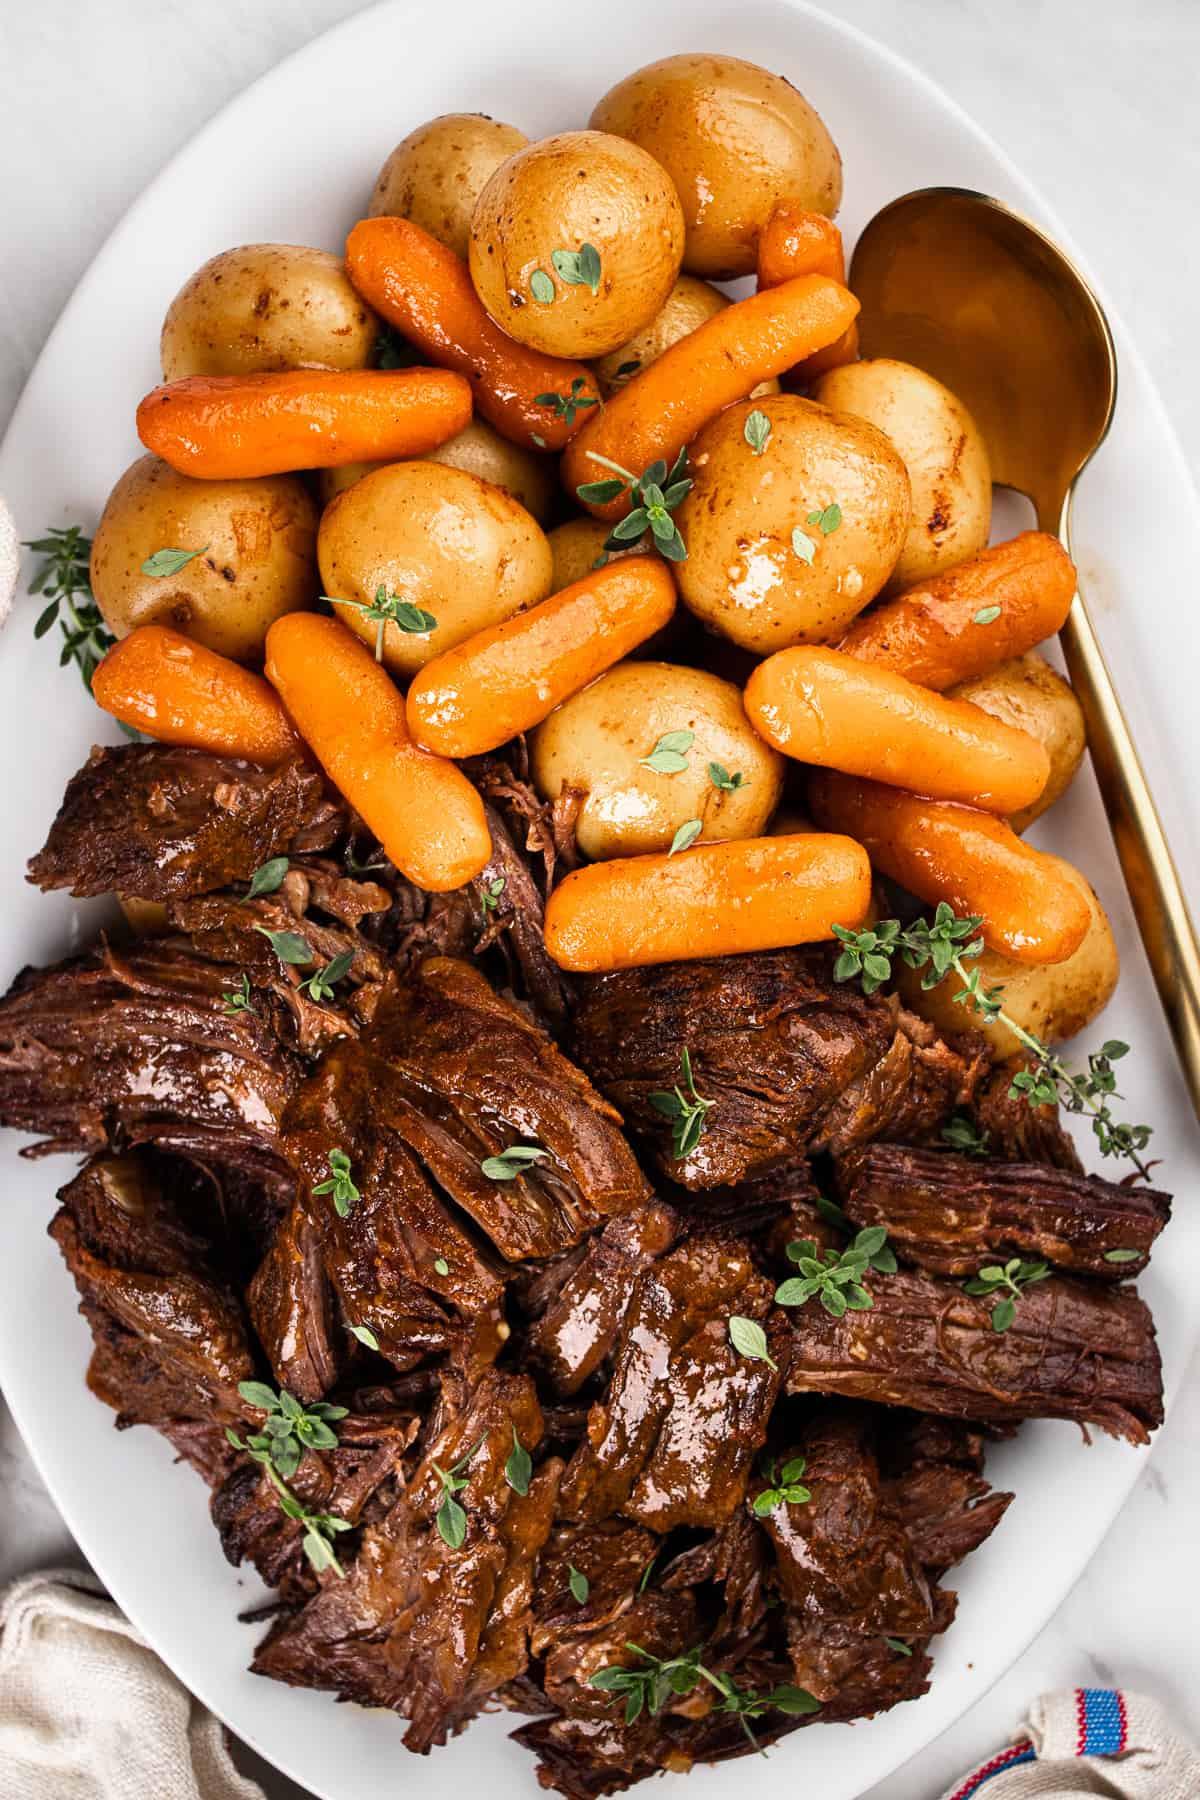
423,810
510,677
795,242
160,682
659,411
223,427
714,900
938,851
824,707
425,290
973,617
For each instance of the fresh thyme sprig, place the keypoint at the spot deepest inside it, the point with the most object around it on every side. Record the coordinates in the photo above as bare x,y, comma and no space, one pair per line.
835,1277
64,581
267,878
567,406
290,1428
489,898
238,1000
389,609
320,1528
688,1111
340,1184
451,1520
784,1488
961,1134
321,985
654,495
1005,1286
648,1688
947,945
511,1162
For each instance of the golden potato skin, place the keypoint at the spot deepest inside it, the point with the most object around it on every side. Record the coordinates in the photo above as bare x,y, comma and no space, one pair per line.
435,175
266,307
581,187
1029,694
444,540
943,451
480,451
1051,1000
742,575
689,304
598,739
734,139
260,560
577,543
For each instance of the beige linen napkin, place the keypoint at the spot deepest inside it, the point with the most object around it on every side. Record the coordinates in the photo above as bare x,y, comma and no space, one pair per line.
1089,1741
87,1712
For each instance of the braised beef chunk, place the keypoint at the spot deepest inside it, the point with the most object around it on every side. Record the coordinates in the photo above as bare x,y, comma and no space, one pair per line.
138,1047
385,1250
790,1060
1011,1128
579,1325
515,909
160,823
480,1076
953,1214
947,1512
685,1413
161,1313
1073,1351
425,1627
289,1305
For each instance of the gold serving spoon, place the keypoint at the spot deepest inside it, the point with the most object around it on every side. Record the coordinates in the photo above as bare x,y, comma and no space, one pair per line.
962,286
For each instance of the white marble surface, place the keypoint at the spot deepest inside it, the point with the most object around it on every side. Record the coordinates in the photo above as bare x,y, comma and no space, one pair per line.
1096,99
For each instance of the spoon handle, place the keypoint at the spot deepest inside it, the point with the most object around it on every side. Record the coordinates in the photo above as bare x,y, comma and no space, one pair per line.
1146,862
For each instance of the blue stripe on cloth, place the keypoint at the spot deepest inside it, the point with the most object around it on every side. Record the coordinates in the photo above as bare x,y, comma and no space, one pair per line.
1104,1735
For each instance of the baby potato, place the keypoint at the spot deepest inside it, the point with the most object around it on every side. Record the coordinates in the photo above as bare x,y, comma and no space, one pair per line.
598,741
577,543
435,175
480,451
689,304
758,569
532,223
735,140
1051,1000
442,540
943,451
256,555
1029,694
265,307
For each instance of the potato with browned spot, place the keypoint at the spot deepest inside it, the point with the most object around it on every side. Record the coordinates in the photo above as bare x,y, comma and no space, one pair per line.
437,540
602,743
1029,694
265,307
576,243
758,569
943,451
480,451
735,140
1052,1001
255,555
689,304
435,175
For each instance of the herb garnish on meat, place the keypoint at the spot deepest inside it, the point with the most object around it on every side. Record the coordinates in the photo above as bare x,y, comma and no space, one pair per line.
451,1520
510,1163
340,1184
835,1276
290,1428
267,878
1004,1285
785,1489
648,1688
948,945
688,1111
320,1528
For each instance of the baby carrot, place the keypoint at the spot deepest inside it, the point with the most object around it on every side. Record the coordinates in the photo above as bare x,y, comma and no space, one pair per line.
160,682
659,411
714,900
971,618
509,677
823,707
1031,911
423,810
796,242
422,288
222,427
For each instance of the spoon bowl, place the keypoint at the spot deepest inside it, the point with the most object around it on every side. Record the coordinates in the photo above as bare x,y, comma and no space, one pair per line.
964,287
